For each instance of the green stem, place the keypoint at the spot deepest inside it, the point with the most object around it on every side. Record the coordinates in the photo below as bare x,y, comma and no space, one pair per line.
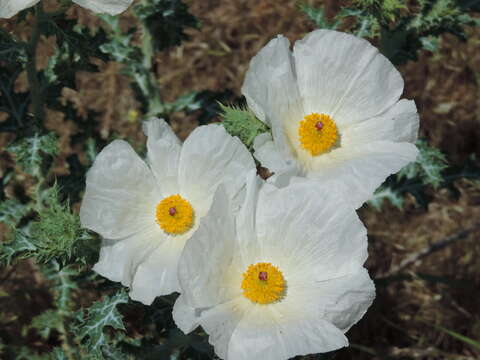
34,83
155,103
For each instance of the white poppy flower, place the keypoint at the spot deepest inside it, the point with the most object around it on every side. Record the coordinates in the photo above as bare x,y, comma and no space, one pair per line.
146,213
334,110
9,8
287,280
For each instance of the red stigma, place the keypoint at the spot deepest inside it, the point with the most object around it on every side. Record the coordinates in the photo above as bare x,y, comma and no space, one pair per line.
319,125
263,275
172,211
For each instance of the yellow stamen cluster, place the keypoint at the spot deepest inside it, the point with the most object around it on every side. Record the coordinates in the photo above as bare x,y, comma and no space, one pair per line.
263,283
175,215
317,133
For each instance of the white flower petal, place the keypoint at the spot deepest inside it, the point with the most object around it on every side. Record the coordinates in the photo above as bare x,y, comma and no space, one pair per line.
345,300
259,335
272,155
9,8
119,260
163,155
360,170
111,7
246,218
157,275
207,255
220,322
344,76
270,86
307,228
184,315
210,157
121,194
398,124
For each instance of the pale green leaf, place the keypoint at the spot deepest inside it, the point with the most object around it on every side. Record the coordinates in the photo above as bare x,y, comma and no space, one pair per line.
100,315
32,152
12,211
242,123
428,167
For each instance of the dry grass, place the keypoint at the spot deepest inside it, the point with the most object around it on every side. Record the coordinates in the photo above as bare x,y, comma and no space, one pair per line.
441,289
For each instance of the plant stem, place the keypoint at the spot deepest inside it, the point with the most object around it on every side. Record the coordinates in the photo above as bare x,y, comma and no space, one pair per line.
34,83
432,248
155,104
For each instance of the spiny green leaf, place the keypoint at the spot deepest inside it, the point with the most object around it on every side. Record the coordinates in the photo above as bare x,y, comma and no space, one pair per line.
57,232
63,284
21,247
187,102
32,152
385,193
430,43
318,16
12,211
242,123
46,322
428,167
90,329
58,354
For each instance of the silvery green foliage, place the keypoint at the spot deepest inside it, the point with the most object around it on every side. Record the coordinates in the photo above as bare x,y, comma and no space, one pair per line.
163,23
429,165
430,171
20,246
91,323
401,30
30,152
386,193
12,211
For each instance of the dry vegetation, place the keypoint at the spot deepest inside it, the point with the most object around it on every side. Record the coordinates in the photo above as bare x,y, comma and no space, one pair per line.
440,290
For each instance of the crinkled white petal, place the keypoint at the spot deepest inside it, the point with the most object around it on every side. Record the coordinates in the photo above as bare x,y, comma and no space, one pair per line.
111,7
157,274
309,229
9,8
220,322
344,76
398,124
270,85
360,170
184,315
246,219
273,155
206,256
163,154
121,194
345,300
210,157
266,336
119,260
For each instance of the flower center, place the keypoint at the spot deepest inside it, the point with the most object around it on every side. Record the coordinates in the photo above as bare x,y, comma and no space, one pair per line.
175,215
263,283
317,133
